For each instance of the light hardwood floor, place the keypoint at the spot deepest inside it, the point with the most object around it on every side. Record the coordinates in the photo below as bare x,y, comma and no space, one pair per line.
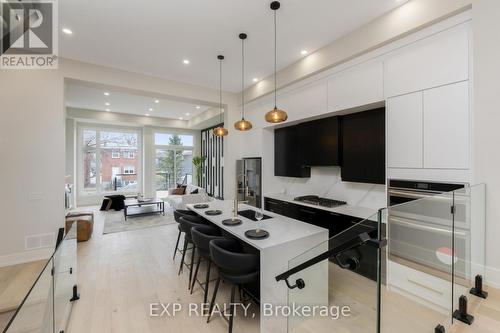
120,274
15,282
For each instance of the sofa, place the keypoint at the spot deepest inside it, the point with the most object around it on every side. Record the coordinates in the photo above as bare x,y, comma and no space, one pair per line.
178,201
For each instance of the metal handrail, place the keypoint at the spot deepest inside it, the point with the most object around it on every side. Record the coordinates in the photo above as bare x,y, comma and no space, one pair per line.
355,242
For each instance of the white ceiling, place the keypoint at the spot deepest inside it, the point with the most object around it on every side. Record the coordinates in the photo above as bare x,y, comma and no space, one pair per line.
93,98
154,36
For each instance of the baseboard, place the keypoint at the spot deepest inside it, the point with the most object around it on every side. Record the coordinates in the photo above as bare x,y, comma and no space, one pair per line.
492,277
25,256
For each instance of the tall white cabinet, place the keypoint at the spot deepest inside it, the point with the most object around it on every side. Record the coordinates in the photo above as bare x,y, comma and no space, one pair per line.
429,129
428,108
446,127
404,131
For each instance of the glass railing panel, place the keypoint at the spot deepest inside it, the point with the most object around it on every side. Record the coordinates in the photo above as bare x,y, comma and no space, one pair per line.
36,311
416,293
64,279
47,306
470,224
341,287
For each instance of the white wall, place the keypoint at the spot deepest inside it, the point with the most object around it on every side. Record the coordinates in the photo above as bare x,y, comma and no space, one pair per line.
33,163
486,132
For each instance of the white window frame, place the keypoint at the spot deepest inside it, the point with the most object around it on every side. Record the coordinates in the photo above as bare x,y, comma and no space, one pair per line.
128,154
128,168
113,154
169,147
79,167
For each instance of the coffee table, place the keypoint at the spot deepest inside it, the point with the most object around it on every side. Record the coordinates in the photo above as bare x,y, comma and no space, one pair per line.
134,207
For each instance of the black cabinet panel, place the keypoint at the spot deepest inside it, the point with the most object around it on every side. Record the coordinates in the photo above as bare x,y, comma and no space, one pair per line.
274,206
363,147
341,229
319,142
334,222
287,162
337,223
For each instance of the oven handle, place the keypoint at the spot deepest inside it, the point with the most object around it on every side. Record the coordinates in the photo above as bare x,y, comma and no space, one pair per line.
412,195
425,227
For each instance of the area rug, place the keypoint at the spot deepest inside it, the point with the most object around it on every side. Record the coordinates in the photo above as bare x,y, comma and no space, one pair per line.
115,221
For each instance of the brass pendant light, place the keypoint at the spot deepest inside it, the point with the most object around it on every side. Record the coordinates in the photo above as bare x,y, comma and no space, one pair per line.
275,115
243,125
220,130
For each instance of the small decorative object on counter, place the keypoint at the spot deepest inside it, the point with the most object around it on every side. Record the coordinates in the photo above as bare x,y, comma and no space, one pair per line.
213,212
200,206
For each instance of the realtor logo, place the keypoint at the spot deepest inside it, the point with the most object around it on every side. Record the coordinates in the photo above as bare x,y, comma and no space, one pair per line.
28,34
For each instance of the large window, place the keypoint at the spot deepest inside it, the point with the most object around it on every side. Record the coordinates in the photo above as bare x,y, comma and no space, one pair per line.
173,161
109,160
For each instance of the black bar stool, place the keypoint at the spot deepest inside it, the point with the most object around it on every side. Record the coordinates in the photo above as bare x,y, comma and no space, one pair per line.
178,213
234,267
186,223
202,235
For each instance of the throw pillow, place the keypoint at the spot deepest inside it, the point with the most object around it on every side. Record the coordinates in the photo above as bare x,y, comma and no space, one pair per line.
195,192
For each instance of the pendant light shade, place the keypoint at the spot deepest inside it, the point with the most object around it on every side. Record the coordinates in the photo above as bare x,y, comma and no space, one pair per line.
275,115
243,124
220,130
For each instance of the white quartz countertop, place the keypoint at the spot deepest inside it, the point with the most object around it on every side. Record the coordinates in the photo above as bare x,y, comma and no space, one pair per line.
281,229
356,211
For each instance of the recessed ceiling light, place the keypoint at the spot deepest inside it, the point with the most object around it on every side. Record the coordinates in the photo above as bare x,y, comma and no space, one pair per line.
147,114
150,109
198,107
186,61
187,113
106,93
67,31
157,101
107,104
255,79
303,52
107,109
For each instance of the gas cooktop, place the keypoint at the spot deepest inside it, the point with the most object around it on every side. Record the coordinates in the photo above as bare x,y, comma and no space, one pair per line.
315,200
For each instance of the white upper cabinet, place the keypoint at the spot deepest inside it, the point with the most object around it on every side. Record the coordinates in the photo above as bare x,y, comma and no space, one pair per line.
446,127
434,61
357,86
304,102
404,131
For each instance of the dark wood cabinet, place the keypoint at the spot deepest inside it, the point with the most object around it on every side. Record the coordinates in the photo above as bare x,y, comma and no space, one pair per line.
287,155
354,141
319,142
363,147
334,222
341,229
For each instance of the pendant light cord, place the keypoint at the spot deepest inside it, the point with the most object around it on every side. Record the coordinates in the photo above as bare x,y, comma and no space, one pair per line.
220,91
242,79
275,60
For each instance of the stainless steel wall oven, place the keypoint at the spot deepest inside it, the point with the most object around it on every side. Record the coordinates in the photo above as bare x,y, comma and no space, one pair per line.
421,226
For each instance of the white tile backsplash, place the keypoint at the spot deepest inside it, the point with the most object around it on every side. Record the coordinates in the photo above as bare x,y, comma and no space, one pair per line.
326,182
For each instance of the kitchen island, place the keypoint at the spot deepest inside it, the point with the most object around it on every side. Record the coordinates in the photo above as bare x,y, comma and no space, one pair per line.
288,239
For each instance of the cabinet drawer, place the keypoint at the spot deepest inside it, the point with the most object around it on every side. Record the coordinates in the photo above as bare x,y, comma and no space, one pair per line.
307,214
425,288
274,206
